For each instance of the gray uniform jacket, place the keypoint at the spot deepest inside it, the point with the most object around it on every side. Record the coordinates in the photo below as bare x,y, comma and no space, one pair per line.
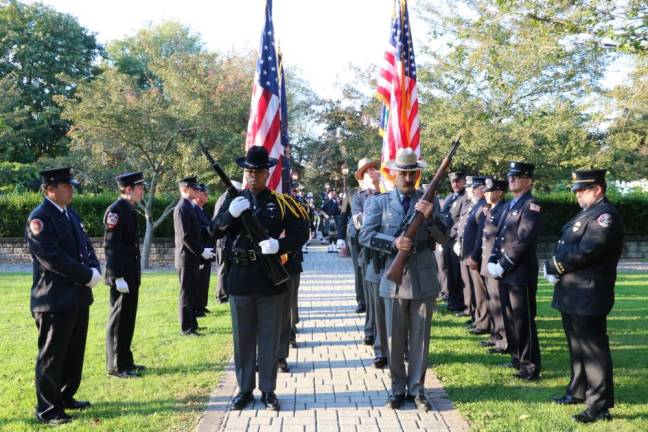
382,220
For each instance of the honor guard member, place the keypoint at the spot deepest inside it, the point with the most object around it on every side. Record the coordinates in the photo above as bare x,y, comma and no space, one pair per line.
408,306
452,207
256,303
330,210
65,269
468,292
471,256
493,211
208,241
123,274
368,178
583,270
358,198
514,262
189,254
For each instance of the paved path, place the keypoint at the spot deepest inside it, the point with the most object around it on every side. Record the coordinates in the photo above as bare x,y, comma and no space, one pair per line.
332,385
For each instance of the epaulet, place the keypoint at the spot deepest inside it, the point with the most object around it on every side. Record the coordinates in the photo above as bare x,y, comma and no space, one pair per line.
287,202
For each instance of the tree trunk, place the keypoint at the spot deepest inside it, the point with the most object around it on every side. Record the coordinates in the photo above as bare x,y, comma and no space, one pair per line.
146,246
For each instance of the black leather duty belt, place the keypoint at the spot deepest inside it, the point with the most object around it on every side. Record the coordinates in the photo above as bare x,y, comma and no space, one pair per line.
242,256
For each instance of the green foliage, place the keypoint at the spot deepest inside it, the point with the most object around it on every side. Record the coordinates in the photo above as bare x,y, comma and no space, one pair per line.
16,176
43,53
181,372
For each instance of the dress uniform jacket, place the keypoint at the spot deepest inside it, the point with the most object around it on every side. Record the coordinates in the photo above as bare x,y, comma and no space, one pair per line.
585,259
470,235
489,229
382,220
121,244
517,240
188,235
63,259
453,206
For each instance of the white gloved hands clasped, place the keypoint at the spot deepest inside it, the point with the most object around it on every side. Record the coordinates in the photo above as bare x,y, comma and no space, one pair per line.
208,253
269,246
238,206
495,269
121,285
94,280
553,279
457,248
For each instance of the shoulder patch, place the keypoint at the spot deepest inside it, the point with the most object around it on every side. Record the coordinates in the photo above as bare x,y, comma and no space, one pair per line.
605,220
534,207
111,220
36,226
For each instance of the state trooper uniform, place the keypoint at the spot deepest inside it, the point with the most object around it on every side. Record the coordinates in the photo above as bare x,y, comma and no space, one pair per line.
583,269
208,241
514,256
123,276
493,214
408,306
65,268
256,303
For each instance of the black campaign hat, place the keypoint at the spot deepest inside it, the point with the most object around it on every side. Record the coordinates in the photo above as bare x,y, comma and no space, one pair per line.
493,185
130,179
190,181
586,178
256,158
57,175
457,175
520,169
478,181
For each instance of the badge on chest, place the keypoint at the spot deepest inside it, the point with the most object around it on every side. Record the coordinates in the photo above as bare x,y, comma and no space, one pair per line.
577,226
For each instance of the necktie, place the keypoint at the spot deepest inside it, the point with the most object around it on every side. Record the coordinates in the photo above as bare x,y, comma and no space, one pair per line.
406,203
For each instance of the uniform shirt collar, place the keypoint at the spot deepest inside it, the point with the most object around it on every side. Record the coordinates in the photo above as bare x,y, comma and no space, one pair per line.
61,209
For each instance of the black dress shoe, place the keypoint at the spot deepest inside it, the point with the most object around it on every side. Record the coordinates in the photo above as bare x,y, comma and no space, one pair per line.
586,417
283,365
55,420
191,333
138,368
270,401
361,308
497,351
478,331
395,401
487,343
199,314
77,404
368,340
421,403
206,311
380,362
124,374
527,377
241,400
567,400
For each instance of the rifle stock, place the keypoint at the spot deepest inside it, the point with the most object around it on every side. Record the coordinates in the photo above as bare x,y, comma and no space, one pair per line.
253,228
395,271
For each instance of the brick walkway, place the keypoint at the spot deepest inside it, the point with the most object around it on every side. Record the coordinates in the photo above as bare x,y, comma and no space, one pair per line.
332,385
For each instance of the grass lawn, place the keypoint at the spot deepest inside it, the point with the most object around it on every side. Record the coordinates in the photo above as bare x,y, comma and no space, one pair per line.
181,371
492,400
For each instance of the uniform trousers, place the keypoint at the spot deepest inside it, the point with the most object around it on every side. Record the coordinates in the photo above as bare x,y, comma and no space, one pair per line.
256,327
221,264
354,248
294,306
61,348
498,329
287,317
442,271
370,300
378,307
189,281
522,334
202,292
408,319
468,290
482,315
591,362
453,276
120,328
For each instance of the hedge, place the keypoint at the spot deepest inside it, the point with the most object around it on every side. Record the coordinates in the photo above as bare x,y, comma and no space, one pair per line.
557,208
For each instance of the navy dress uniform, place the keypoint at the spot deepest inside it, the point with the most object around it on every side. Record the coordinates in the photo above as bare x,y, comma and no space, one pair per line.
189,253
493,214
220,262
584,263
121,245
65,268
515,255
208,241
408,306
256,303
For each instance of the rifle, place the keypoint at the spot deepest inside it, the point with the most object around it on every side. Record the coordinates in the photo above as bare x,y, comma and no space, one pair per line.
411,225
253,228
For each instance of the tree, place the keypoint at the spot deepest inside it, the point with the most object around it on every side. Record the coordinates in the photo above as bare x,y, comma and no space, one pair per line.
45,53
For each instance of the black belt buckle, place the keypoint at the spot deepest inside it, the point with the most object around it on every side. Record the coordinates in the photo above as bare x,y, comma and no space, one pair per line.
252,255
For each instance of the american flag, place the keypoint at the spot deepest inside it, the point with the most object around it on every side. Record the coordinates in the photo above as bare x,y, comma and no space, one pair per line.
397,90
264,126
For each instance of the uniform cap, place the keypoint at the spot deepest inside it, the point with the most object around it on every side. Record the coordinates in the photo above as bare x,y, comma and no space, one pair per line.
493,185
57,175
457,175
130,179
478,181
520,169
586,178
189,181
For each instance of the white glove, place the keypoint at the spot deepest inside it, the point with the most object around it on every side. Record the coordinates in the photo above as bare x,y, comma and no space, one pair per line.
238,206
553,279
495,269
201,266
208,253
96,277
340,244
121,285
269,247
457,248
